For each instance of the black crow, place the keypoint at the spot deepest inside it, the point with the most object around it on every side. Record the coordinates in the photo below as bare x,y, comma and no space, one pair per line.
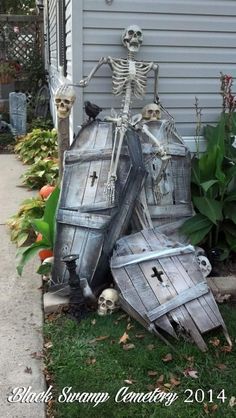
92,110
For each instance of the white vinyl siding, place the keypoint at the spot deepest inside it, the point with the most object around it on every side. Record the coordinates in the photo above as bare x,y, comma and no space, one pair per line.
192,41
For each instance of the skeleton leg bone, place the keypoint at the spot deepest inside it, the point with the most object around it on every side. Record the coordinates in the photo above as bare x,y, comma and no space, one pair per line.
112,176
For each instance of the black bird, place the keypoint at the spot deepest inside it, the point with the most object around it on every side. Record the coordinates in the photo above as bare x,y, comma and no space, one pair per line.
92,110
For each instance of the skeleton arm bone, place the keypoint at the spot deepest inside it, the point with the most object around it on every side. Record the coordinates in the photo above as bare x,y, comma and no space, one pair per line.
150,135
162,151
84,82
155,67
156,73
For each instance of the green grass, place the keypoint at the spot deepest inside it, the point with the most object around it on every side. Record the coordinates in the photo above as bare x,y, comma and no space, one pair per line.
71,362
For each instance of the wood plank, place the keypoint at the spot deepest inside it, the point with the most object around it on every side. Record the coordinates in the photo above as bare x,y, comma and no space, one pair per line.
100,206
180,315
208,303
129,259
133,298
85,220
63,246
75,185
186,296
176,271
168,211
151,295
91,155
93,179
91,252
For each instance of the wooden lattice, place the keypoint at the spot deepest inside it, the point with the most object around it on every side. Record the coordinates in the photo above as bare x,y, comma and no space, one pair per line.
19,37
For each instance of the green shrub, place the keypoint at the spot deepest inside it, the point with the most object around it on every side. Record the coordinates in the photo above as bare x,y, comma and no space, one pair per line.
44,226
213,183
40,173
20,224
38,144
40,123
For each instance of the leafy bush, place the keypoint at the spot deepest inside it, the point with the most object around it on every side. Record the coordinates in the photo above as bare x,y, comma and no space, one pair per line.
40,173
20,224
213,183
40,123
38,144
46,227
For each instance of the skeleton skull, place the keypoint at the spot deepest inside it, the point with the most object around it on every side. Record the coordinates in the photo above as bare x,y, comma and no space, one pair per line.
64,99
132,38
151,112
108,302
205,265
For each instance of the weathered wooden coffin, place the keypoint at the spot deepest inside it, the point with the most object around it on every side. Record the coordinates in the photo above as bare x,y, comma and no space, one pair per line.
161,286
87,224
166,196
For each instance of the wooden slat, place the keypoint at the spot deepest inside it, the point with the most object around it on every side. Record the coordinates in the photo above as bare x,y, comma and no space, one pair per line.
176,271
134,298
208,302
130,259
88,220
101,205
184,297
181,314
152,296
170,211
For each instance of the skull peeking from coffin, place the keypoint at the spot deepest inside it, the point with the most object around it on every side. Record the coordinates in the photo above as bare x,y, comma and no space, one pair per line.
108,302
64,100
132,38
151,112
204,265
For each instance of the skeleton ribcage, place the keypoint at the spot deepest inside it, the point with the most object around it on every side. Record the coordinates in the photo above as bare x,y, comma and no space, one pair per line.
129,73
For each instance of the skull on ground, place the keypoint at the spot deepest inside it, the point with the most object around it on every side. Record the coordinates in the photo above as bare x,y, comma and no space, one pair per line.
108,302
64,100
132,38
151,112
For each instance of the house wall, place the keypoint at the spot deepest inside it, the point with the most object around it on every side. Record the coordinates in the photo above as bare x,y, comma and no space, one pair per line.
193,41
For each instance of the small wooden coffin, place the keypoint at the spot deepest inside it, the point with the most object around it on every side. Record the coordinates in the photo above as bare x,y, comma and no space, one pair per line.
166,196
84,218
162,287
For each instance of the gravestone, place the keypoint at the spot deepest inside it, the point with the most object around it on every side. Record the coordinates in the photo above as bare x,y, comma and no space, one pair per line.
42,102
18,112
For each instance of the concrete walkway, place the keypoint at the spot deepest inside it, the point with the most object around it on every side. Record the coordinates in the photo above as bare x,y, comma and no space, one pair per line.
21,317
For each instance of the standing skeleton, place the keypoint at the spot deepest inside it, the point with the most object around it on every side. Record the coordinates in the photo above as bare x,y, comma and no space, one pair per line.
129,78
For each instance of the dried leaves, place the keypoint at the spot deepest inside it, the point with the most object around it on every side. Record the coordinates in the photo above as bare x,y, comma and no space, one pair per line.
124,338
167,358
210,409
90,361
38,355
128,347
99,338
190,373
